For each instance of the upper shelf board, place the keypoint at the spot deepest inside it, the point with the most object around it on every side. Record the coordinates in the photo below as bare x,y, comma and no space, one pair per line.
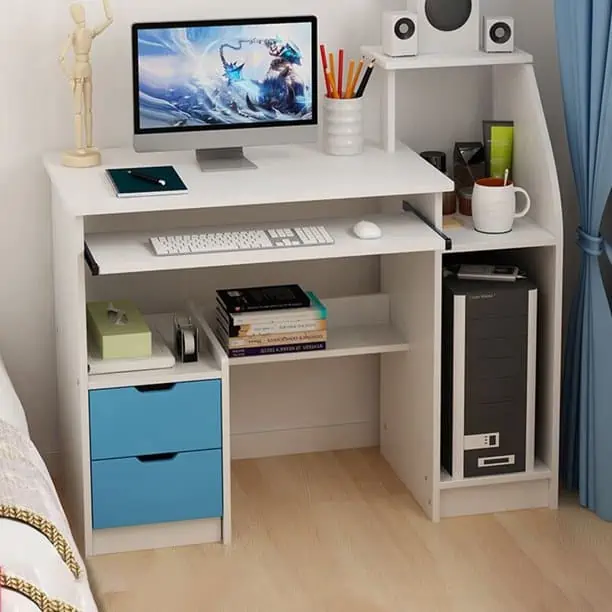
445,60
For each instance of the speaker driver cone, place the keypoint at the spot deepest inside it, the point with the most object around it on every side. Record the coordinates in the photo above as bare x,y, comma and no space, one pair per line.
500,32
448,15
405,28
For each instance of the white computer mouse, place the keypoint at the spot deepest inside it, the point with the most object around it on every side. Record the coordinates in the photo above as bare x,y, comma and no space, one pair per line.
366,230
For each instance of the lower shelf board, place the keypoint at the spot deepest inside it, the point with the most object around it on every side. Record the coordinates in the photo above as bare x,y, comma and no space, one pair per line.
356,325
497,497
540,472
525,233
342,342
204,369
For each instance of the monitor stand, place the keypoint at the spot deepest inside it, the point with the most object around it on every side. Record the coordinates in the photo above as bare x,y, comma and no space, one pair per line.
218,160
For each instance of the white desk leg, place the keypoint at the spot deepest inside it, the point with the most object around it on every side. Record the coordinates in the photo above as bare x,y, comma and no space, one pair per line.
388,112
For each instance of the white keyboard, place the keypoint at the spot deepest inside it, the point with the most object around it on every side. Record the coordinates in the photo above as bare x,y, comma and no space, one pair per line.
238,240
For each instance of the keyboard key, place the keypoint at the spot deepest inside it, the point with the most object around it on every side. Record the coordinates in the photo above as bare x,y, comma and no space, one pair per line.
326,234
317,234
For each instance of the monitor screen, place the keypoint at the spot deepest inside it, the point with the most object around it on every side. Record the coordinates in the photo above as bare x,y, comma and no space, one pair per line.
224,75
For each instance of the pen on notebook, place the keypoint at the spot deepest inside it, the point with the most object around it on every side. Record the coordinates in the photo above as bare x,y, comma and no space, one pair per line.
147,177
366,78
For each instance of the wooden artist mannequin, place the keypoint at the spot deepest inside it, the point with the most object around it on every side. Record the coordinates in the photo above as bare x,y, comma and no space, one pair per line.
80,41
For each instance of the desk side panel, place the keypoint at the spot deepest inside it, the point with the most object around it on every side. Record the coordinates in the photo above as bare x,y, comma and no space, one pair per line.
71,348
222,360
517,97
410,381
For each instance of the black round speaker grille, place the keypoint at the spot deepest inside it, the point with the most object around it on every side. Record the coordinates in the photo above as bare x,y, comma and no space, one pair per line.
405,28
500,32
448,15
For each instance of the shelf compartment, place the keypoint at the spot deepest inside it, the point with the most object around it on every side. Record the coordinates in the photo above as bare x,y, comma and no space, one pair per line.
540,472
525,233
128,252
287,174
445,60
359,325
206,368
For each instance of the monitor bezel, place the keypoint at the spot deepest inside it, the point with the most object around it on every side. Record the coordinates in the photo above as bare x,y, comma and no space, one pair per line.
137,27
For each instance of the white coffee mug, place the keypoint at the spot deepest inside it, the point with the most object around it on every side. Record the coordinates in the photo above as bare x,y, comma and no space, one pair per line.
494,205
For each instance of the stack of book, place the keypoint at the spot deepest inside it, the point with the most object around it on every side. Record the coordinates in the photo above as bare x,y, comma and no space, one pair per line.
270,320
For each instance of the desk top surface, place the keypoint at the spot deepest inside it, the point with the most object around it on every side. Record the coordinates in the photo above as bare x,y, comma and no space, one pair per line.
285,174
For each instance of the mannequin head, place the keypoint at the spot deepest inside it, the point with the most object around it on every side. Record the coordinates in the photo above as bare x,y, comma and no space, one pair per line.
77,11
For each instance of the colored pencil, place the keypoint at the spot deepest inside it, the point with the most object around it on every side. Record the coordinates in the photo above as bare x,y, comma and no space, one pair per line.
332,83
334,71
323,57
328,86
357,75
364,81
340,71
324,64
349,80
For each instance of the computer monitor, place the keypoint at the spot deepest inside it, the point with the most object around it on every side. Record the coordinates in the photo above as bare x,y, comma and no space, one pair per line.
217,86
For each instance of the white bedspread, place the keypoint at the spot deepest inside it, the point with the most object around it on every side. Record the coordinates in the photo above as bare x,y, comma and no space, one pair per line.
11,409
24,551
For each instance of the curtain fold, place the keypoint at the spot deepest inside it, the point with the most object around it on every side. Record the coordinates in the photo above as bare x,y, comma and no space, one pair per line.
584,37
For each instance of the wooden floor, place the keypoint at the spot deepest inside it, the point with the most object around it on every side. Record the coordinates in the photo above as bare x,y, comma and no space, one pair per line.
338,532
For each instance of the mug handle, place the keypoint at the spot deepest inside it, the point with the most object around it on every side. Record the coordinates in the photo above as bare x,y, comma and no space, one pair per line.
528,204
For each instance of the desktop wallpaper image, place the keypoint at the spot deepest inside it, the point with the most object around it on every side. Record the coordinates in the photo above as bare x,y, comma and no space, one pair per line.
225,75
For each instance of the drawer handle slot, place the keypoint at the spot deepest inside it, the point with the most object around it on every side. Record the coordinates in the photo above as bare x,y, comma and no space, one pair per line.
152,388
158,457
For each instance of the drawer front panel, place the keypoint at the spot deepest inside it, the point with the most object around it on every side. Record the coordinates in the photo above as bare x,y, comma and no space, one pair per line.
156,489
134,421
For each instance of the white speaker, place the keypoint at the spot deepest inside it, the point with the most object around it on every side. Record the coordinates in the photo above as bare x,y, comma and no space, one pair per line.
498,34
400,34
448,26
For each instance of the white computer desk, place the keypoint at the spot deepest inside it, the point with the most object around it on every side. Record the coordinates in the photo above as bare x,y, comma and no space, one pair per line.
395,324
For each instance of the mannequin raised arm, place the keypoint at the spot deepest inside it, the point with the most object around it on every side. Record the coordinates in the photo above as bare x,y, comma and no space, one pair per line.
109,20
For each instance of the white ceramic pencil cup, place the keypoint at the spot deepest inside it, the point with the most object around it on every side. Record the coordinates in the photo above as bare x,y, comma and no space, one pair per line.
343,126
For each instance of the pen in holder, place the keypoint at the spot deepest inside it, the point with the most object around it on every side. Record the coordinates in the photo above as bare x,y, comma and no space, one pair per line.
343,126
186,339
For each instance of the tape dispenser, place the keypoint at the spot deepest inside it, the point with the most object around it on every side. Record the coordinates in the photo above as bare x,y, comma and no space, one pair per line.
186,339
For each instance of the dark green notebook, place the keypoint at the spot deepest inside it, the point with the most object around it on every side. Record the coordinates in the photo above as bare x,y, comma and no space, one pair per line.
128,185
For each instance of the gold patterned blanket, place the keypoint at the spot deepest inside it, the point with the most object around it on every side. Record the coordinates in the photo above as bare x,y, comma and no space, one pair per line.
38,556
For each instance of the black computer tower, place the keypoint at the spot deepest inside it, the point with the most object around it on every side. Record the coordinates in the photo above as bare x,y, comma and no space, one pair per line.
488,377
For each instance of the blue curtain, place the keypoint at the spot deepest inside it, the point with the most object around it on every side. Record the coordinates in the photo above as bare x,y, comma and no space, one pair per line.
584,35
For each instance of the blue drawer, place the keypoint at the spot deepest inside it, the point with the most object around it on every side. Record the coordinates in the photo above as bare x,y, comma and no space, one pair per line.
158,489
133,421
